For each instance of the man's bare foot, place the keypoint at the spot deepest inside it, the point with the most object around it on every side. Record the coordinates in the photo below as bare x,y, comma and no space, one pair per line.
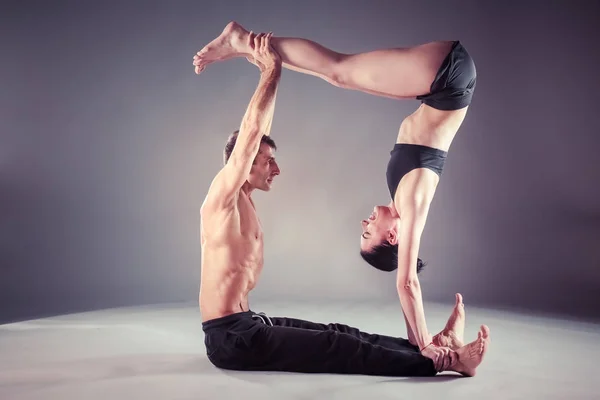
471,355
232,42
452,335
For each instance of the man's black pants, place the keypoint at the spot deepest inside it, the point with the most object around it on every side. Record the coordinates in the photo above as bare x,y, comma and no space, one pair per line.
249,341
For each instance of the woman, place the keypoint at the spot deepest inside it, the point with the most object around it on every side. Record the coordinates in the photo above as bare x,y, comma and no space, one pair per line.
442,75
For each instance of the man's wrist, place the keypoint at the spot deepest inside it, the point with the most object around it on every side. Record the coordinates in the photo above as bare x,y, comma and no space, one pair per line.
272,70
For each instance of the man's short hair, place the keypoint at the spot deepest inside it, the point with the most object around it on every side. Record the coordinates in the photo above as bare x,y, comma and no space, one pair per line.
384,257
233,138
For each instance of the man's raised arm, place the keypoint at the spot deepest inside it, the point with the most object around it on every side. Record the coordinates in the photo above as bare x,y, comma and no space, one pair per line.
256,123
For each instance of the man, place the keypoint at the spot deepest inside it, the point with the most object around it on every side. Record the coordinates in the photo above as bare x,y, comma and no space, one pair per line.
232,259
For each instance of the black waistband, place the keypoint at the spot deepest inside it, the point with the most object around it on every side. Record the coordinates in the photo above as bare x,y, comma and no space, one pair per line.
424,149
228,319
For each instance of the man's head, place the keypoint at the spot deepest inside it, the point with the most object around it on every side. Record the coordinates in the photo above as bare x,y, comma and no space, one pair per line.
264,167
379,240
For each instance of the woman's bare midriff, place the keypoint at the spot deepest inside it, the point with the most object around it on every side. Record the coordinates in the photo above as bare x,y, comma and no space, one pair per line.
430,127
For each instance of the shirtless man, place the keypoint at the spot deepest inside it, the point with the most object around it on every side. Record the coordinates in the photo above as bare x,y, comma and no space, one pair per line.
232,258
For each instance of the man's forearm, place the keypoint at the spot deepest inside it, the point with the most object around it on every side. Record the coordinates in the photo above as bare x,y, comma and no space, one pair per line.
259,114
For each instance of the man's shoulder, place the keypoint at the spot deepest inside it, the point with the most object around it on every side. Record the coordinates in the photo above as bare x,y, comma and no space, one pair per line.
215,202
218,199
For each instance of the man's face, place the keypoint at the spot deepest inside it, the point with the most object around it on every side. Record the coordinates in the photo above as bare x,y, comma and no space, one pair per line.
264,169
380,226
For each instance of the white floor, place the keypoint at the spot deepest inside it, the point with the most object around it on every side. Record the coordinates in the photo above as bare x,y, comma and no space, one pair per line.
158,353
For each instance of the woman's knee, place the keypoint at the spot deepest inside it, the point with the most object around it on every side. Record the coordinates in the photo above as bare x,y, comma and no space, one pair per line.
339,72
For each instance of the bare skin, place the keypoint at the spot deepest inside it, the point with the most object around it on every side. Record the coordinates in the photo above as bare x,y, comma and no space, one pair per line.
414,70
452,334
463,359
232,249
468,357
366,72
472,355
231,234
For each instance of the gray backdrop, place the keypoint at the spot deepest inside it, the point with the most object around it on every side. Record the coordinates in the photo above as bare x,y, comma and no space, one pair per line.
109,142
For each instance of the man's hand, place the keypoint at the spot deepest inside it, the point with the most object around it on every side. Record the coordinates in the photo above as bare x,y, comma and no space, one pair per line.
443,357
264,55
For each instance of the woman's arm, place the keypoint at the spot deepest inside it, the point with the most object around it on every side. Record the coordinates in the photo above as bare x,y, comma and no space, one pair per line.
413,199
411,226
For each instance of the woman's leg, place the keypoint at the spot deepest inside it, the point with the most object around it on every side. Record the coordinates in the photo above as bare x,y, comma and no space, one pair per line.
396,73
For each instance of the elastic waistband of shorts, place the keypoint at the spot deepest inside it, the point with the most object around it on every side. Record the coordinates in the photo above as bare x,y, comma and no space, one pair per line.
228,319
420,148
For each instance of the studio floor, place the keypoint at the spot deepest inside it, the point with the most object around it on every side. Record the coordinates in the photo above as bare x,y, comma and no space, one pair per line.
157,352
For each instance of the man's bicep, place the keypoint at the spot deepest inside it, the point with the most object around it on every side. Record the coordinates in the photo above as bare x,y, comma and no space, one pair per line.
245,150
223,189
233,175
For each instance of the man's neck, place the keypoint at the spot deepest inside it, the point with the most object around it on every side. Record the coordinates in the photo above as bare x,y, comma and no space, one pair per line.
247,188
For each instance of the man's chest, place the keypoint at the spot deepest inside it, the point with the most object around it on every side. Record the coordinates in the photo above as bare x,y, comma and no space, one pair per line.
249,222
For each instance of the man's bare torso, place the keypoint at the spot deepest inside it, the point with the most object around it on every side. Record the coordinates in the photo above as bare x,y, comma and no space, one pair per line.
232,257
